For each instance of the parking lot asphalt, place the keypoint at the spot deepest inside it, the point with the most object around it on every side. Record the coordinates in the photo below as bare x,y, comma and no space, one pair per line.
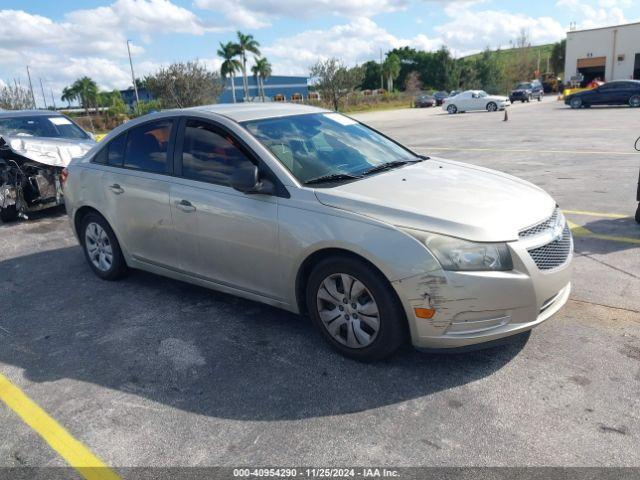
151,371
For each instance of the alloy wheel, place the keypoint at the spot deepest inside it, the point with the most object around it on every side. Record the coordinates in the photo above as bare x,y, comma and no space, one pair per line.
492,107
348,310
635,101
98,247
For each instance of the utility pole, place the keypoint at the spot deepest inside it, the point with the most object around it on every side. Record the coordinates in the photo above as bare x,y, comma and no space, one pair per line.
44,99
133,76
33,97
53,100
381,74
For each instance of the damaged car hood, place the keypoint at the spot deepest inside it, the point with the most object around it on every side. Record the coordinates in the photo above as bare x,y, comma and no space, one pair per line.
446,197
55,152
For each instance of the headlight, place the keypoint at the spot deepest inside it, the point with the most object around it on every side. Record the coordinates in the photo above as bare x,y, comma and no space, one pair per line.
460,255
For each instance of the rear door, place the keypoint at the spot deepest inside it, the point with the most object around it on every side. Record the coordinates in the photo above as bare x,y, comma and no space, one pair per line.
137,185
224,236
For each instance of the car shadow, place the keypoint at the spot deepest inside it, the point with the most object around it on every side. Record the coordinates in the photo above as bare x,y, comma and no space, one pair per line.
199,350
53,212
611,227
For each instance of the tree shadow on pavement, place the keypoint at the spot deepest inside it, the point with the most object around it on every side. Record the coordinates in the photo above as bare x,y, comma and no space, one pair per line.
199,350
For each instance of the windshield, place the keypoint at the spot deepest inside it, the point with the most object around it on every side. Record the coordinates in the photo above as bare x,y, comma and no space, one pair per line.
41,126
524,85
322,144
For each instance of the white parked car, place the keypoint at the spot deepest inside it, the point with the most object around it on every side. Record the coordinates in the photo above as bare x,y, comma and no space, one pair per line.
475,100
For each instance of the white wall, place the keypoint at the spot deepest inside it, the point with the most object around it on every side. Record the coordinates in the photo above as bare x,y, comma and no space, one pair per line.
599,43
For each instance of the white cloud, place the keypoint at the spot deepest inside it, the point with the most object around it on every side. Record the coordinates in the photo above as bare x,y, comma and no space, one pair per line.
354,42
599,13
259,13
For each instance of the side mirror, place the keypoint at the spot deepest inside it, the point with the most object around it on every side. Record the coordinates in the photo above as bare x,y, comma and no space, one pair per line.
247,180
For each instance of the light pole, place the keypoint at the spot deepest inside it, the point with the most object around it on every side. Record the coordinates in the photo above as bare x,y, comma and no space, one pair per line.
33,97
133,77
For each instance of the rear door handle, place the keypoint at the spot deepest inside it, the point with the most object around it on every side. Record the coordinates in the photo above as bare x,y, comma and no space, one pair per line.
117,189
185,206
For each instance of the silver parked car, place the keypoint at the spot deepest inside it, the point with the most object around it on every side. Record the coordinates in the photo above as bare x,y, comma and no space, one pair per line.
311,211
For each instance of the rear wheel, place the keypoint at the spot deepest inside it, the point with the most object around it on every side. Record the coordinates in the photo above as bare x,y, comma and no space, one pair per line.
355,309
492,107
452,109
576,103
634,101
101,248
9,214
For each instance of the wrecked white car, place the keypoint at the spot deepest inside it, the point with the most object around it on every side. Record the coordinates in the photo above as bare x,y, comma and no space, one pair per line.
35,147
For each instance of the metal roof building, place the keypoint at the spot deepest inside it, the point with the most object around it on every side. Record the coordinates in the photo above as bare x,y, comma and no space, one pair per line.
276,88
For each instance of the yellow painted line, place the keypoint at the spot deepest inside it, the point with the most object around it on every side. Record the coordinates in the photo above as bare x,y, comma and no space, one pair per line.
74,452
514,150
596,214
580,231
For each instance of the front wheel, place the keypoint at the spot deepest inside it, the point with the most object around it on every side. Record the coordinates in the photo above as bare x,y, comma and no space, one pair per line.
575,103
634,101
355,309
452,109
638,214
492,107
101,248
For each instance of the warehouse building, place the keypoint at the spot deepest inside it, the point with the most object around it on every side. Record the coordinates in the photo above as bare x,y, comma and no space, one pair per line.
609,53
276,88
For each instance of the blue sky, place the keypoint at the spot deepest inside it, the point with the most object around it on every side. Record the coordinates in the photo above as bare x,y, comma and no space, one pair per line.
62,40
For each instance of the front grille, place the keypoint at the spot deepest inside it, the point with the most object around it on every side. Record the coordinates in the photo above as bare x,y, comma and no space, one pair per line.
553,254
541,227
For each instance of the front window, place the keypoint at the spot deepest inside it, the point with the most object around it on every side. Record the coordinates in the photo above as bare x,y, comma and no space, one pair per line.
54,126
318,145
524,86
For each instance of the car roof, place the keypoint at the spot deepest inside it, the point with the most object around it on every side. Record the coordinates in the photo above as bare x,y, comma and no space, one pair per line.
28,113
241,112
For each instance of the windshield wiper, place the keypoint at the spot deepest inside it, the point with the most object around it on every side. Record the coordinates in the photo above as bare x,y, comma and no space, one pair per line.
389,165
332,177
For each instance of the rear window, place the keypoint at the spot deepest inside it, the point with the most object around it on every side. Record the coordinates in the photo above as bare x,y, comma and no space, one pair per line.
147,146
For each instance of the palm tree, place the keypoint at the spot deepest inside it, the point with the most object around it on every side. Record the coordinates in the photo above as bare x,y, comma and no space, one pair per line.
231,65
86,91
246,43
261,71
391,69
68,95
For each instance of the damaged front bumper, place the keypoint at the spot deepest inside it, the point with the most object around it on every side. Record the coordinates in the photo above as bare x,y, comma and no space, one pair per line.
30,171
477,307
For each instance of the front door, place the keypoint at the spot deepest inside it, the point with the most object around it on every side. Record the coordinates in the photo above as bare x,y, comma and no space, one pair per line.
225,236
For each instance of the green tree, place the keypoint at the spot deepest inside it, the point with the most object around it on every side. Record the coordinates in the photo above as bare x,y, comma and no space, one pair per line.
372,73
246,44
391,69
68,95
334,81
86,92
230,65
182,85
558,56
261,71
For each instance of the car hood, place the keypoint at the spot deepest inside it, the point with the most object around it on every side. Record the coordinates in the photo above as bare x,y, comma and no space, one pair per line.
55,152
498,98
446,197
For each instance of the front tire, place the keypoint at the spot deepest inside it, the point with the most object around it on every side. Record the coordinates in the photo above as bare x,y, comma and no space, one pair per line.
634,101
101,248
452,109
575,103
355,309
492,107
638,214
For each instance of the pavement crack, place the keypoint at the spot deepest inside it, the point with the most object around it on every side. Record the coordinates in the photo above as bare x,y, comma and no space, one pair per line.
608,265
605,305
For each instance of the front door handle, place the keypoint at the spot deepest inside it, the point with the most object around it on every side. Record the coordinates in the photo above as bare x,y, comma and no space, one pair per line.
185,206
117,189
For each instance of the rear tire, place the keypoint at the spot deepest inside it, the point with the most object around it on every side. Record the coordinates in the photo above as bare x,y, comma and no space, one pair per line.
9,214
101,247
359,316
638,214
634,101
